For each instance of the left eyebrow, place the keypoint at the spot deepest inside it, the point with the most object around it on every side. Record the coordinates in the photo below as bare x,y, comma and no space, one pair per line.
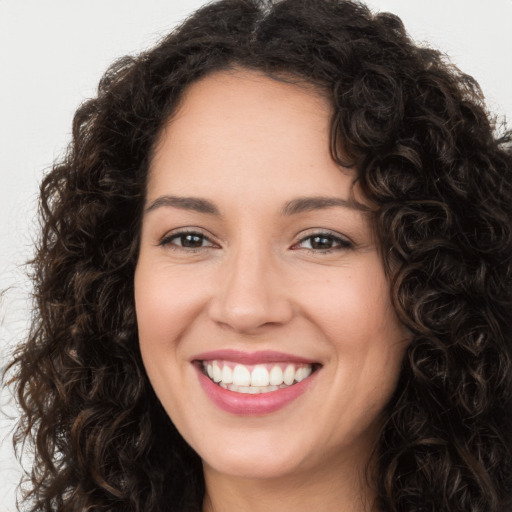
307,204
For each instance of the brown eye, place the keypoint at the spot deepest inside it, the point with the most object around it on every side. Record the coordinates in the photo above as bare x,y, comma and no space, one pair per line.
323,242
191,240
187,240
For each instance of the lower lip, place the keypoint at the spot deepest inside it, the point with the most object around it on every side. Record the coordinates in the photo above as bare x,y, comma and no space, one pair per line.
245,404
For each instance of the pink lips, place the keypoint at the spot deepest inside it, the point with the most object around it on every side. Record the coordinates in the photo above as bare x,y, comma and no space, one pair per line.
237,356
247,404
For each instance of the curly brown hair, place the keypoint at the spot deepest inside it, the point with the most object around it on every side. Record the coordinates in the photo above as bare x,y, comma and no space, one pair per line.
427,154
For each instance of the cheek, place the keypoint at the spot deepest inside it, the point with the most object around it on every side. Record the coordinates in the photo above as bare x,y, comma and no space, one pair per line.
351,305
165,302
164,312
359,326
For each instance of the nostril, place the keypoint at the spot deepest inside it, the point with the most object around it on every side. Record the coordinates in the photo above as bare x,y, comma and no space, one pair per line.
249,292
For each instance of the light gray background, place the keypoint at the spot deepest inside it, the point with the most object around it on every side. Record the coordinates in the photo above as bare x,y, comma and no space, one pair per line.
52,55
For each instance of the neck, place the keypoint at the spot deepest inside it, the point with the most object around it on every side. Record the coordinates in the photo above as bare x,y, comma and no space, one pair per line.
346,490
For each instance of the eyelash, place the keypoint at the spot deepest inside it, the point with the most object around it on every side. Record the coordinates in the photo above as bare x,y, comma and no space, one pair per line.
342,243
167,241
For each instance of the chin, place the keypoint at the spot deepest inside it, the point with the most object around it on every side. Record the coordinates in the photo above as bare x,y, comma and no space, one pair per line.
261,467
253,459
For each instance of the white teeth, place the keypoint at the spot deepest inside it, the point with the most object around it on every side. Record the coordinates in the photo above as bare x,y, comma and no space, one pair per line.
276,376
259,376
216,372
260,380
250,390
241,376
302,373
289,375
227,374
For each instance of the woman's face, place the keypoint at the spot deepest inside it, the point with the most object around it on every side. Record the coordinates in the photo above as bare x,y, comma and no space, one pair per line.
257,267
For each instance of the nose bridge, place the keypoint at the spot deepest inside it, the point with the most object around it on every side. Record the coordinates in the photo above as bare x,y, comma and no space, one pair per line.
249,293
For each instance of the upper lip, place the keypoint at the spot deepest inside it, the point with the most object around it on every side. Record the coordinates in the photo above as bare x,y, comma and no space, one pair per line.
239,356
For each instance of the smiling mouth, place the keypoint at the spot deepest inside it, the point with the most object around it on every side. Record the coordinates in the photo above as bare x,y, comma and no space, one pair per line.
258,378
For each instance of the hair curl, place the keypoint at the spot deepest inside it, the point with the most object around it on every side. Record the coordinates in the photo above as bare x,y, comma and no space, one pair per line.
418,133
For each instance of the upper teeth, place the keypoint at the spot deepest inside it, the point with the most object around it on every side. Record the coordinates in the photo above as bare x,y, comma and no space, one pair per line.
274,374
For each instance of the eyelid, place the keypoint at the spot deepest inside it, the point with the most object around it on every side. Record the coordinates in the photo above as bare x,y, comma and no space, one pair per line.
166,239
344,242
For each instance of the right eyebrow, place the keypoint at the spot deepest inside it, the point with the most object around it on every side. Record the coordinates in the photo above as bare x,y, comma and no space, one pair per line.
184,203
308,204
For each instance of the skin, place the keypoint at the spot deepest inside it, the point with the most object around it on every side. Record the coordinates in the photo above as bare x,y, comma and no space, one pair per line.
250,144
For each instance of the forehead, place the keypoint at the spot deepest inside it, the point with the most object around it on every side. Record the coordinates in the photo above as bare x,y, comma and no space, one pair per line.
243,88
247,129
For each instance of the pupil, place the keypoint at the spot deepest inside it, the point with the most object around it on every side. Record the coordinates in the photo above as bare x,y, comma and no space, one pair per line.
191,240
321,242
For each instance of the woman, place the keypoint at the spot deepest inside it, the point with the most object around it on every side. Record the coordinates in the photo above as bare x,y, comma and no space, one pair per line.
275,268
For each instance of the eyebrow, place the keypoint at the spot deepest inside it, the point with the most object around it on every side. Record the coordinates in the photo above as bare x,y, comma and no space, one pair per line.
293,207
308,204
195,204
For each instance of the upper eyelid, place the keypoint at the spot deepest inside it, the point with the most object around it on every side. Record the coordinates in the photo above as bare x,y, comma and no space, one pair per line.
175,233
326,232
341,241
302,236
186,230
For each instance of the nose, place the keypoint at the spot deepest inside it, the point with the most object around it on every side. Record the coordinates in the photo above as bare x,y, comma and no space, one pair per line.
250,293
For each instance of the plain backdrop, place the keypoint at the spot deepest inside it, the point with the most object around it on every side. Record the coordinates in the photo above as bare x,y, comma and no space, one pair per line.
52,55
